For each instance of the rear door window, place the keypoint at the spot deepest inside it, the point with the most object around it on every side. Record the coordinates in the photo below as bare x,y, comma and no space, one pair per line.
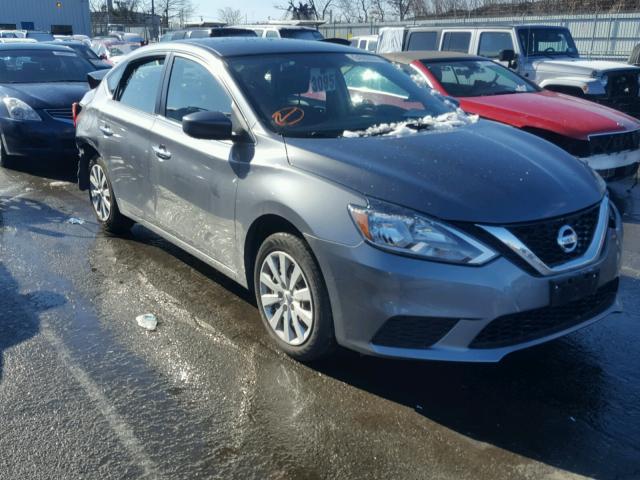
141,84
423,41
456,41
492,43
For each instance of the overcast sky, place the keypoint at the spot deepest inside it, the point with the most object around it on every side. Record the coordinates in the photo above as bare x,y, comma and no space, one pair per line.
254,10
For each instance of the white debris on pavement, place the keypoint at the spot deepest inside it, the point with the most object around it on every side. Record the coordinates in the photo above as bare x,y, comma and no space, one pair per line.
75,221
147,321
58,184
401,129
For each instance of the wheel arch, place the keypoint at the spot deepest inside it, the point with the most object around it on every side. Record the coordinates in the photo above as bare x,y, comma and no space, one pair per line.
88,150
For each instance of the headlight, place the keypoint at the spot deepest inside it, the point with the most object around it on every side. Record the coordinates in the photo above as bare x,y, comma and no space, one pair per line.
405,232
18,110
604,79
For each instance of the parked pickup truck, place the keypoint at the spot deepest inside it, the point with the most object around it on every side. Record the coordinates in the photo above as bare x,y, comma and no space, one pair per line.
545,55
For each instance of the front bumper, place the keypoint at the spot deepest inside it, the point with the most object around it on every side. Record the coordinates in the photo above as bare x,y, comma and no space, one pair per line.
369,287
615,166
48,139
628,105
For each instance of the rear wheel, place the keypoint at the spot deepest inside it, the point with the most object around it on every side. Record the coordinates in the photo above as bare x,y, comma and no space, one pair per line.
104,201
292,298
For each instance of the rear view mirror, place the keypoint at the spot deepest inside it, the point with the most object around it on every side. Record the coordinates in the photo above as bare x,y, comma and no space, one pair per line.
94,78
207,126
507,55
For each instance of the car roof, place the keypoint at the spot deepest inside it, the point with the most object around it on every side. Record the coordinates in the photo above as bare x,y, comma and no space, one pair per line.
479,26
239,46
34,46
410,56
276,26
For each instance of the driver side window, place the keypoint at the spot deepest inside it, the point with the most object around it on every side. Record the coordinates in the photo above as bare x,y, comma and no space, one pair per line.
192,88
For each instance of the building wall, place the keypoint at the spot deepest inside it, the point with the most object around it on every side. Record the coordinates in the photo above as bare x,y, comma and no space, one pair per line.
45,13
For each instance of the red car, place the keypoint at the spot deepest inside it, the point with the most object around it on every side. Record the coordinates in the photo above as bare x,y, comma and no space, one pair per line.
608,140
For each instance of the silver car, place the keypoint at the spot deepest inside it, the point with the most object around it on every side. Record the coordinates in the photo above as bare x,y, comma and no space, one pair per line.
362,210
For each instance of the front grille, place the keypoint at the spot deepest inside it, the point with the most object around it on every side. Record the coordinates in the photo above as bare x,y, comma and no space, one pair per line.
614,142
622,84
533,324
413,332
542,237
612,174
61,113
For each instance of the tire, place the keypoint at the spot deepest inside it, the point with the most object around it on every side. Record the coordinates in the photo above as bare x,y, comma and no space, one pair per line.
6,161
286,301
103,200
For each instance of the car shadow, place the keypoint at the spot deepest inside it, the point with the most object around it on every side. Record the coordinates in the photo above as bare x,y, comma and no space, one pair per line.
56,169
39,218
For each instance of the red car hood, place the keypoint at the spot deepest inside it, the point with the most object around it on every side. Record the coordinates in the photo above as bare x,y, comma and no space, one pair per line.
569,116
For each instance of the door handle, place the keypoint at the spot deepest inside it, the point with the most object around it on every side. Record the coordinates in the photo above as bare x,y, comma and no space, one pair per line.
161,152
106,130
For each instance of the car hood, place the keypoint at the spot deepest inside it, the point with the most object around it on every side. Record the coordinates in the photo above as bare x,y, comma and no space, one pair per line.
482,173
550,111
578,66
46,95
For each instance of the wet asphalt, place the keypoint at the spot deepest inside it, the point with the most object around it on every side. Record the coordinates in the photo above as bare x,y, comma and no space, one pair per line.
86,393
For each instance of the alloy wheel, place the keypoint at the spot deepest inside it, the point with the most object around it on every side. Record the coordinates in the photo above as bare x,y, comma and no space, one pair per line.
285,298
100,194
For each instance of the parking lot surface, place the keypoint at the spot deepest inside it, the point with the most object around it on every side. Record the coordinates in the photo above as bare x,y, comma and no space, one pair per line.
86,393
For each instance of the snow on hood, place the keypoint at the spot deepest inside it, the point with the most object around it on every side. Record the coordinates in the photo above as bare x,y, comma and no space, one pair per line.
401,129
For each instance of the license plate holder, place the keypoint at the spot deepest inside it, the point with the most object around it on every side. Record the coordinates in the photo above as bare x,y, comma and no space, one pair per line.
573,288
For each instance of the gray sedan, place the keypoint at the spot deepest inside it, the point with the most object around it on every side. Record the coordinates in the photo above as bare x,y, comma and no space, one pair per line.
362,210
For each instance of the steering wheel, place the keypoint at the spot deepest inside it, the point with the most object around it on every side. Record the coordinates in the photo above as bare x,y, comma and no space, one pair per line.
550,50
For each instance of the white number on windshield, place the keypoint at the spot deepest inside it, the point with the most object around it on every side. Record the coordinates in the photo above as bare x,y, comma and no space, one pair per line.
323,80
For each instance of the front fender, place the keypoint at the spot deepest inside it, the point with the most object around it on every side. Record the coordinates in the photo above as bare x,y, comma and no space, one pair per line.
314,206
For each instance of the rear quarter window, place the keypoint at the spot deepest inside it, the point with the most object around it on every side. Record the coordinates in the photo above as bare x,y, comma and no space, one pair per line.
456,41
423,41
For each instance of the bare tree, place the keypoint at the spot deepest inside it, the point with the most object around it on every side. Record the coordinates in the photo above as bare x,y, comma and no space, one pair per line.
230,16
173,11
400,8
321,7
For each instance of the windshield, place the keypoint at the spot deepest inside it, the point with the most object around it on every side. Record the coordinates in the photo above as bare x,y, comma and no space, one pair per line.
40,36
123,49
300,34
134,38
34,66
477,78
547,41
324,94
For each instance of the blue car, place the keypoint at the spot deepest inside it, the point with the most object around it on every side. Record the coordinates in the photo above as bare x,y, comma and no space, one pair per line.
38,85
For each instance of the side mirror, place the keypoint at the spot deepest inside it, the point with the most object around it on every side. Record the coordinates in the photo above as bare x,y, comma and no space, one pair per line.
103,56
94,78
208,126
507,55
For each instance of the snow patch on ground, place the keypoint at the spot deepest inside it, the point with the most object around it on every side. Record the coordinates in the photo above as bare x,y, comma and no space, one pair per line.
445,121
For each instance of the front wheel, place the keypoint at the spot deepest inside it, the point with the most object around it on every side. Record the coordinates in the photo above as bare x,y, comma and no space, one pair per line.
104,201
292,298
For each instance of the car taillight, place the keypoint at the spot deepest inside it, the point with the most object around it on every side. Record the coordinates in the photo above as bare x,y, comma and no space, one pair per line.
75,111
